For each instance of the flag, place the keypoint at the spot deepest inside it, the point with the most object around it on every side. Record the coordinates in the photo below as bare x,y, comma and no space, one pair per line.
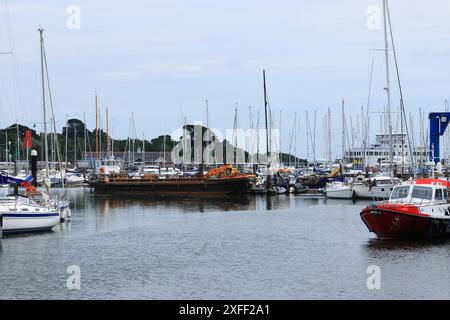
27,141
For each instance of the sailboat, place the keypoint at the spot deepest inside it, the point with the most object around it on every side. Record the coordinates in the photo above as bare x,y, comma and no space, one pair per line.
20,212
381,186
339,189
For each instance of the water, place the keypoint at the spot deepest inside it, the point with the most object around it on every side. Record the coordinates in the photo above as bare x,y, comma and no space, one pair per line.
289,247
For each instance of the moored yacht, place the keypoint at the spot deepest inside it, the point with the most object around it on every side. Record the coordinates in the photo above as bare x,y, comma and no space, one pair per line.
377,187
418,209
23,214
339,190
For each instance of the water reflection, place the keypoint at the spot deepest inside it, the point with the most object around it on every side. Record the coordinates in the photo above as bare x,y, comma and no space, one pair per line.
386,245
103,204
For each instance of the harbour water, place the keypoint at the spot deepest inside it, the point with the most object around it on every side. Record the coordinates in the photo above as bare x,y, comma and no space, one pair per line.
281,247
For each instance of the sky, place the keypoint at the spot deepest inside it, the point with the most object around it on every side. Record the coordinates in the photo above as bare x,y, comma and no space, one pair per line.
161,59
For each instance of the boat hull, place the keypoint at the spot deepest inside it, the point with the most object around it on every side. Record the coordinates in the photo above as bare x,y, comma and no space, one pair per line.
344,193
227,186
393,224
30,222
374,192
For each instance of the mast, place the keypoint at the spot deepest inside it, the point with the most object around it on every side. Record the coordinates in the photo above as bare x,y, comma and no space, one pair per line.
281,152
67,138
343,133
143,148
107,133
388,90
268,182
402,105
366,134
292,137
41,30
96,127
84,122
17,148
74,145
257,139
308,134
329,135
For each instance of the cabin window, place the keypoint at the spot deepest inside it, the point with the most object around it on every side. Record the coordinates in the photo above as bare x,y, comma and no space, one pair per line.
445,194
439,195
422,193
400,192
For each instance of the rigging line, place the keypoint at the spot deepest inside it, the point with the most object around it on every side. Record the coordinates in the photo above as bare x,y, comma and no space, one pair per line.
369,96
399,85
53,114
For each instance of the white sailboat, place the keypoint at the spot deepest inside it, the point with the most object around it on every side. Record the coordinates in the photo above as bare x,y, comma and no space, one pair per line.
21,213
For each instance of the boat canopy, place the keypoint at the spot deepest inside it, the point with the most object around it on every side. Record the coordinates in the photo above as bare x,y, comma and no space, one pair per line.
431,181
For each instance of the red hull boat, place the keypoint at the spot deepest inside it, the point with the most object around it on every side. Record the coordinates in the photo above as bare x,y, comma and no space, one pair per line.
416,210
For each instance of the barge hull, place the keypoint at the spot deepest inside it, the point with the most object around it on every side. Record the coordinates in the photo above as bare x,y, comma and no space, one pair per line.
178,187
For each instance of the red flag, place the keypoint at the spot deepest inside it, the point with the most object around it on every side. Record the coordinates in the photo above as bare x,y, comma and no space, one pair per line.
27,141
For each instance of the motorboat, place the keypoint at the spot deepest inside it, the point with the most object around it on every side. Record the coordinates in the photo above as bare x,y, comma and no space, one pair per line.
416,209
107,166
339,190
73,178
377,187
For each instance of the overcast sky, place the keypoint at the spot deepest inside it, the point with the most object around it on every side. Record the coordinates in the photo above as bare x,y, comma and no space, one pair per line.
162,59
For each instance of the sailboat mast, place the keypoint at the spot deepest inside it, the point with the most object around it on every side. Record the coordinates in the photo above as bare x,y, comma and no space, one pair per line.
67,138
107,133
84,123
343,133
308,135
388,90
329,135
96,127
267,132
74,145
41,30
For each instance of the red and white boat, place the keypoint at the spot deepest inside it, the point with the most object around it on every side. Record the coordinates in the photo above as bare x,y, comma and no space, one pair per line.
416,209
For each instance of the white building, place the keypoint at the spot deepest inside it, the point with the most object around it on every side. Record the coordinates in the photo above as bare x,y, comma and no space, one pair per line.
378,154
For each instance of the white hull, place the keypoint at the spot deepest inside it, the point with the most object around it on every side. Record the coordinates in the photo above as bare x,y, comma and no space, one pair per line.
341,193
374,192
20,222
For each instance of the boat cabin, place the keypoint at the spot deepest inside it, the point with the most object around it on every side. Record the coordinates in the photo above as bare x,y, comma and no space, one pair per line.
421,191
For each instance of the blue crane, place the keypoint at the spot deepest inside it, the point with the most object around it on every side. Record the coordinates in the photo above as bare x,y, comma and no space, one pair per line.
438,124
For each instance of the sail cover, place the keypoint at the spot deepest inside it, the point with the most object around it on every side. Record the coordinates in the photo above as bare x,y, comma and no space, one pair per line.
7,179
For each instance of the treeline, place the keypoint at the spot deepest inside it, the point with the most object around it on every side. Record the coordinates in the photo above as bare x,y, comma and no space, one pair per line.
74,138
